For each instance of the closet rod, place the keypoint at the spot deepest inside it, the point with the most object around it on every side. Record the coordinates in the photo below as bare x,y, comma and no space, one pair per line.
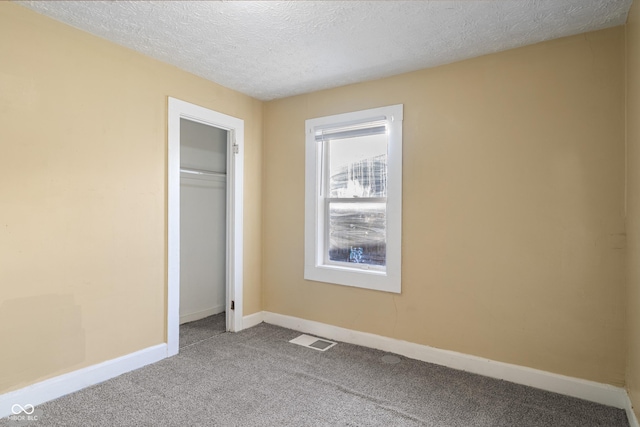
202,172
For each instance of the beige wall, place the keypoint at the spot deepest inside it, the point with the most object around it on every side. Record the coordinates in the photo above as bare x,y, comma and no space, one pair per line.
83,196
633,205
513,208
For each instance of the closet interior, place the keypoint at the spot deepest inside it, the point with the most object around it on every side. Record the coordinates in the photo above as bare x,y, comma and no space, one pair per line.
203,231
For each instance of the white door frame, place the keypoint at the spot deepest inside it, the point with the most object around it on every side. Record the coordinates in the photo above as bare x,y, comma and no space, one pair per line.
235,160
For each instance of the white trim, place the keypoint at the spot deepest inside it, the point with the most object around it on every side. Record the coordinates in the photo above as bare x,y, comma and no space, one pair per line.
252,320
315,236
62,385
588,390
192,317
178,109
631,416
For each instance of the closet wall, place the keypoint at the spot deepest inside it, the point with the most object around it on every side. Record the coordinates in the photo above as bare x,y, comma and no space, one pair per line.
202,220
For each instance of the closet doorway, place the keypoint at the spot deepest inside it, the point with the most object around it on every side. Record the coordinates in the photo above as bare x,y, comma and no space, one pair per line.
204,220
203,230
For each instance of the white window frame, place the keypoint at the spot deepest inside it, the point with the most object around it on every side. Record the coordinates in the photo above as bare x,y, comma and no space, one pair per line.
316,267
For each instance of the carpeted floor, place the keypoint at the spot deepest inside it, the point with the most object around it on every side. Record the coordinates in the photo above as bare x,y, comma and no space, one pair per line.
257,378
203,329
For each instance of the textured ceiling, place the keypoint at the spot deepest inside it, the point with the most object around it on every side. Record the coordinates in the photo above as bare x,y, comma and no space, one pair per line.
274,49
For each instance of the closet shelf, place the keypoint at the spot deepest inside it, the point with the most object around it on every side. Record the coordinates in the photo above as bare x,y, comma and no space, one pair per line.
203,172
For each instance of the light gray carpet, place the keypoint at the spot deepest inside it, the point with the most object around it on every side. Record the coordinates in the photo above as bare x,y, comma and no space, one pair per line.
203,329
257,378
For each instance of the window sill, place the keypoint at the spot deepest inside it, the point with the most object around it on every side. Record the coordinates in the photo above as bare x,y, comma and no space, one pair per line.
355,277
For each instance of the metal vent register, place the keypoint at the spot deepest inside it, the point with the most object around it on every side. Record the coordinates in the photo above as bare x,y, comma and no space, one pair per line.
313,342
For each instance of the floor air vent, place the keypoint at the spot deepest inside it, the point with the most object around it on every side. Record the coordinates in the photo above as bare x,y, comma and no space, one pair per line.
313,342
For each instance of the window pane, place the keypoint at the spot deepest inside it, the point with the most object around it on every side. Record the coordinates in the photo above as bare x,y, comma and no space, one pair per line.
358,166
357,233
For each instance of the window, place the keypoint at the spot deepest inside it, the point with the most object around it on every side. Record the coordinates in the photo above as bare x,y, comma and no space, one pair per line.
353,199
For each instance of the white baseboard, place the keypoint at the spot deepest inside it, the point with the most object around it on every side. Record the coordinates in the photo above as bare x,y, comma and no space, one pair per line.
631,416
575,387
252,320
53,388
202,314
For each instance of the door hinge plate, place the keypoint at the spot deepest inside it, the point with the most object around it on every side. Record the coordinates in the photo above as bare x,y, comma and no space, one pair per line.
236,148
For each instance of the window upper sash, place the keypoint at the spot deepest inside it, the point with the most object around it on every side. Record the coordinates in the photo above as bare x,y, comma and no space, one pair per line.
374,127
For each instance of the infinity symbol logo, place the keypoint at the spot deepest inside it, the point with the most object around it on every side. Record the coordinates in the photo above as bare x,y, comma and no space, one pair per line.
27,409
